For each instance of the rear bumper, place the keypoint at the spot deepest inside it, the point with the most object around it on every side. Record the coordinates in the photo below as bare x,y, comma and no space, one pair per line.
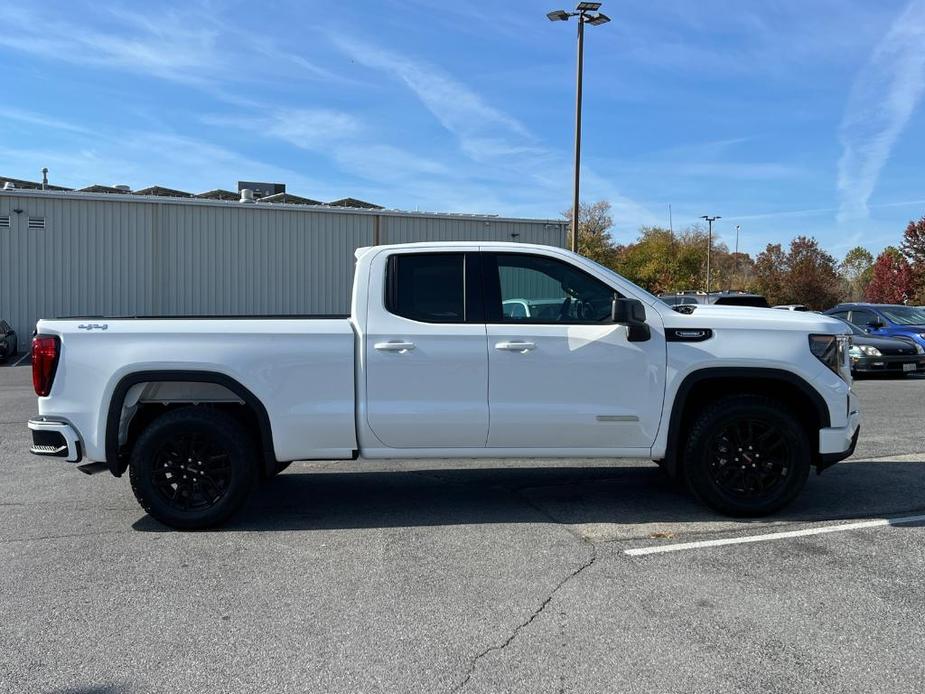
838,443
55,439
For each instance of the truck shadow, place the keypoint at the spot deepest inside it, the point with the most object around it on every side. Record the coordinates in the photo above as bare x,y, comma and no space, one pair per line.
305,499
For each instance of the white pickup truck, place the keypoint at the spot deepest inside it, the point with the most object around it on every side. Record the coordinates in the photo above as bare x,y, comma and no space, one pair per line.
451,350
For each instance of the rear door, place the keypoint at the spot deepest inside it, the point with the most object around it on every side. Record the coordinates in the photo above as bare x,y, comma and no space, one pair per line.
561,374
426,352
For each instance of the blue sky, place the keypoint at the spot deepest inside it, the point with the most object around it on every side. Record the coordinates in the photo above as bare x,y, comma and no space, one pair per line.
785,117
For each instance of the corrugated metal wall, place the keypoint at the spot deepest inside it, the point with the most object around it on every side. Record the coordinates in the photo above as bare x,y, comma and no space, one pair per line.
130,256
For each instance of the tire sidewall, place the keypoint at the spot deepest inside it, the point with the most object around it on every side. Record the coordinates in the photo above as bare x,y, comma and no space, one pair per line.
215,425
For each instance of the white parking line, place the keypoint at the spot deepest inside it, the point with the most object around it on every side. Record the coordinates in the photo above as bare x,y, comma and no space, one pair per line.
639,551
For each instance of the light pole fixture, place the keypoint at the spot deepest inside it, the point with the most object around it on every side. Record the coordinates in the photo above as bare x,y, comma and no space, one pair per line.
710,221
587,13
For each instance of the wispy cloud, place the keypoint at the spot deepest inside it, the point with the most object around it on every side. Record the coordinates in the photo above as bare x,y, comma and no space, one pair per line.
41,120
882,100
188,43
166,45
459,109
505,153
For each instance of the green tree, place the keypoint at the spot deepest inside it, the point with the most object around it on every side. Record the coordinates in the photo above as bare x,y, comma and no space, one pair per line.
856,270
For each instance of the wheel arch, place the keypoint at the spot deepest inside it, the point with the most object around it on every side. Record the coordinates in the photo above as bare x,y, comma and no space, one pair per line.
118,462
713,383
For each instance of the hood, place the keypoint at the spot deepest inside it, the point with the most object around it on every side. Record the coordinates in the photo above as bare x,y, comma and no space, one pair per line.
746,317
887,345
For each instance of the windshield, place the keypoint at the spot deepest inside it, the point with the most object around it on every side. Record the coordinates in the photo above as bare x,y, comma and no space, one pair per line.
648,295
904,315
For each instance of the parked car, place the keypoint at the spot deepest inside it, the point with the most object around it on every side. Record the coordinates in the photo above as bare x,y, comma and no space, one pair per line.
8,345
738,404
725,298
876,354
889,320
792,307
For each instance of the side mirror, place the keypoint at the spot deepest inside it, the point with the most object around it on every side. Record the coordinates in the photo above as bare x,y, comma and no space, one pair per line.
874,325
631,313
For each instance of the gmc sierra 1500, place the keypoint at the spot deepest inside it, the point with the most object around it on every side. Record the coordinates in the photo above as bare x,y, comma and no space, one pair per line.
451,350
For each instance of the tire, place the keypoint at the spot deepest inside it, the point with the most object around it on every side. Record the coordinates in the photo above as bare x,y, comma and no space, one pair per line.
219,472
726,474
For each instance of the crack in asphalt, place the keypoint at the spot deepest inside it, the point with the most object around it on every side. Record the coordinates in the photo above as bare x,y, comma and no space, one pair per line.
519,493
473,664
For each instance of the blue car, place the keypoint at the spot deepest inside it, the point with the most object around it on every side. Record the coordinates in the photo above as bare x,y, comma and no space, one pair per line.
889,320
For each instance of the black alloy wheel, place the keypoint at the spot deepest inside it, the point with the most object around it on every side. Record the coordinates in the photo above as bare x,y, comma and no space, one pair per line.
192,472
750,458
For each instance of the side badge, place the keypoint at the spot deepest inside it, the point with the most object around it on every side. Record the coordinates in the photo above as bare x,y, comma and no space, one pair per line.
94,326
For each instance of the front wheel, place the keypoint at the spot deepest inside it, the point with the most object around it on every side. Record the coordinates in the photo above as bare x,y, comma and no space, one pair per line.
747,456
192,468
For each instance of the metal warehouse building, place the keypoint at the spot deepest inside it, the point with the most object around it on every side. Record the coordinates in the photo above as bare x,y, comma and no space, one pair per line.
83,253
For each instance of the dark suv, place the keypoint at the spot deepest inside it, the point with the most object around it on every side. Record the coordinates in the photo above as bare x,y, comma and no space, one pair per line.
890,320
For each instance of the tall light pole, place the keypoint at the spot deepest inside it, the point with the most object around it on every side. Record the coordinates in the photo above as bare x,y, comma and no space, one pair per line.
735,269
587,12
710,221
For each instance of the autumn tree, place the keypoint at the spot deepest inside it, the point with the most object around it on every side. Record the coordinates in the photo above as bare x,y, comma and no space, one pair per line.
892,281
594,224
770,273
806,274
856,270
913,248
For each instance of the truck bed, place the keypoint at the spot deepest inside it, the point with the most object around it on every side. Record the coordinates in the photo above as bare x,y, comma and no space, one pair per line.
301,369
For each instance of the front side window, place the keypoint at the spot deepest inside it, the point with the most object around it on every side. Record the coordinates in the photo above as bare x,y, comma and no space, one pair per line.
427,287
539,289
864,318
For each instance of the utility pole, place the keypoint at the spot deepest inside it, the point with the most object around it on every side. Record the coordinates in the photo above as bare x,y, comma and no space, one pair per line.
735,272
587,12
710,221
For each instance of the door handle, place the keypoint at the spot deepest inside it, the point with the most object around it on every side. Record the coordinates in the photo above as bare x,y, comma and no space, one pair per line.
522,347
394,346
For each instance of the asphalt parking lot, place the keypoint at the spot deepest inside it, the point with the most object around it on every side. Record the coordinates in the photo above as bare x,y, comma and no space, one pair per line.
492,577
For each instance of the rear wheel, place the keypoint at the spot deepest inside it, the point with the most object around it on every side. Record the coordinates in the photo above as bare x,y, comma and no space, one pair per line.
192,468
747,456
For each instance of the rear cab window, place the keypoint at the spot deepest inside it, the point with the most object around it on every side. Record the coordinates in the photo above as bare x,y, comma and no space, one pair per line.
434,287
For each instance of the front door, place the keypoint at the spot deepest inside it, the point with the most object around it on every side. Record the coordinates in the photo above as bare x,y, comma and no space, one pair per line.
427,353
561,374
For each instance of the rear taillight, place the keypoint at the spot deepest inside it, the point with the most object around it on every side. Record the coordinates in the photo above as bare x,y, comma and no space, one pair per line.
45,351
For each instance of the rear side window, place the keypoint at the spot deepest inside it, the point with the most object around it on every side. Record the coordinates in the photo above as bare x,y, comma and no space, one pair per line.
427,287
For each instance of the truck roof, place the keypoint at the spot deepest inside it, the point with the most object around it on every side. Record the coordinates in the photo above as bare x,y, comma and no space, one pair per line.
500,245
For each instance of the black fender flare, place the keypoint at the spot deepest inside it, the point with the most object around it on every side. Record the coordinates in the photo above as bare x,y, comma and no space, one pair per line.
734,372
117,465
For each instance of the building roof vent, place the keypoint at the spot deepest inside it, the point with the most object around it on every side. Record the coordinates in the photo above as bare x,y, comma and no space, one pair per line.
247,195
